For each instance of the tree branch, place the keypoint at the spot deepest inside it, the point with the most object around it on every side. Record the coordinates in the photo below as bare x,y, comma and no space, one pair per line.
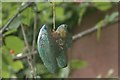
86,32
35,8
24,56
21,9
29,51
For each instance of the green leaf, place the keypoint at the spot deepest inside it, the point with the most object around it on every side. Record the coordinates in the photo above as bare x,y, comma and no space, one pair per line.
45,16
42,5
107,19
78,64
59,13
103,6
7,60
6,56
98,33
113,16
17,65
27,15
10,32
15,24
82,10
5,74
8,11
15,43
5,63
99,26
8,65
5,70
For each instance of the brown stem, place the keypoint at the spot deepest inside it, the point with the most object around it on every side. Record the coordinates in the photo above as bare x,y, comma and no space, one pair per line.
29,51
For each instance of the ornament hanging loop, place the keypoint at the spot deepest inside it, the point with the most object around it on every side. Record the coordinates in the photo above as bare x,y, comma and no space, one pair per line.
54,15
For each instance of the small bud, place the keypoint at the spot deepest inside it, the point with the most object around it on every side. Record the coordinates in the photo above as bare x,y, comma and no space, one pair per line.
12,51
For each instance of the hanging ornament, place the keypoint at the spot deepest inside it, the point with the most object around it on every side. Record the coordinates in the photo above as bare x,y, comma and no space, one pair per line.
52,47
63,40
46,49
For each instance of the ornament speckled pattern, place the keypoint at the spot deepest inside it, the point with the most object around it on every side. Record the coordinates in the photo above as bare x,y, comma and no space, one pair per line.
53,45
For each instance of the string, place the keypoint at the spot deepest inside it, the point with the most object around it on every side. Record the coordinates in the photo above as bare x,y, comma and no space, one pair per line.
53,9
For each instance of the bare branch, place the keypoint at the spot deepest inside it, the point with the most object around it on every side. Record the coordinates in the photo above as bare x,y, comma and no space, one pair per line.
24,36
35,8
24,56
79,35
29,51
86,32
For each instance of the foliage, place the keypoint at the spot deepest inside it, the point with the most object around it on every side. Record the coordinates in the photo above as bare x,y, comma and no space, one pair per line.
103,6
0,14
8,65
68,13
10,40
108,18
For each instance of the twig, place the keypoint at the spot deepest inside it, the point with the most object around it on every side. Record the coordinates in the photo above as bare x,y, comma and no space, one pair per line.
5,28
29,51
11,20
34,32
24,56
24,35
35,8
86,32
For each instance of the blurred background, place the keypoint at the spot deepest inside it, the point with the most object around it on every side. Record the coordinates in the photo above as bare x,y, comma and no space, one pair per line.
92,55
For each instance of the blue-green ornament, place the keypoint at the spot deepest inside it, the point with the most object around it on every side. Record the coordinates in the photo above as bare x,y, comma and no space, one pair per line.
46,49
63,41
52,47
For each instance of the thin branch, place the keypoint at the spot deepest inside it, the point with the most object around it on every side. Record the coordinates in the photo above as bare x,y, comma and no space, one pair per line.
24,56
21,9
25,37
35,8
29,51
34,34
86,32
